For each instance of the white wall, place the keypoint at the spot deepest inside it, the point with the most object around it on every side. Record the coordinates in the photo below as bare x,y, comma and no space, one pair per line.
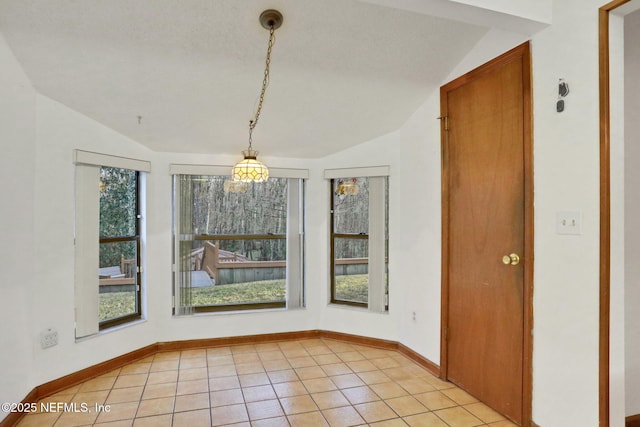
537,10
17,209
59,131
632,212
521,16
566,159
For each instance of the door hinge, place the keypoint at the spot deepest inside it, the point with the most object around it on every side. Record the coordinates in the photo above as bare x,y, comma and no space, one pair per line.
446,333
445,120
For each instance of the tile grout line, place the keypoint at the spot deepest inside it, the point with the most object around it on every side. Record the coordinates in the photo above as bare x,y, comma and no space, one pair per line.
294,351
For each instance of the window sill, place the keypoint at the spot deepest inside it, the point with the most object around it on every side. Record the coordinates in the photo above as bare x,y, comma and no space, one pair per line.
237,312
350,307
112,329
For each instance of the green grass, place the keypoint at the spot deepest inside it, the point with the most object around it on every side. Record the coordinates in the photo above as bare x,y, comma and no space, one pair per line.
261,291
116,304
352,288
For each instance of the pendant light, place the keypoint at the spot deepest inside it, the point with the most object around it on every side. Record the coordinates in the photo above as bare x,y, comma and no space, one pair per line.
250,169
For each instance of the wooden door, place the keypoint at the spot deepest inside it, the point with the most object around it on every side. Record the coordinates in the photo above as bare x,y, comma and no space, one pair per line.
486,212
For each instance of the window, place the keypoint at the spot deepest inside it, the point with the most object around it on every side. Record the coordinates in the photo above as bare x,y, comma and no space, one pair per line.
108,241
238,246
119,254
359,237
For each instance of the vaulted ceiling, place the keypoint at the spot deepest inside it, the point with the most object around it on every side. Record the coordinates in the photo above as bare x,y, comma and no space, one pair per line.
343,71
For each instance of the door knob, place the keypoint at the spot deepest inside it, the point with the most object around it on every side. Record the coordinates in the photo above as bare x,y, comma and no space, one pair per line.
512,259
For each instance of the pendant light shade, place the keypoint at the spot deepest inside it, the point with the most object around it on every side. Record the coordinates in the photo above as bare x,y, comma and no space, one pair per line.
250,169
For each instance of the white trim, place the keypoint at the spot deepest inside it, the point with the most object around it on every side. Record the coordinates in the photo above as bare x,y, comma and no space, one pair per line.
357,172
115,328
214,170
81,157
289,173
218,170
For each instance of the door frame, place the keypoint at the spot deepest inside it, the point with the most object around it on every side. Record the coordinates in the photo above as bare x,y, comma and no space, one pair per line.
522,51
605,211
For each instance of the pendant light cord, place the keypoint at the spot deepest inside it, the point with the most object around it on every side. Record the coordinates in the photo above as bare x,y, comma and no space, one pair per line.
265,82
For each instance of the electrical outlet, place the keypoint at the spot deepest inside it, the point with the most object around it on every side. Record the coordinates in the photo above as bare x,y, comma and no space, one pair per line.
48,338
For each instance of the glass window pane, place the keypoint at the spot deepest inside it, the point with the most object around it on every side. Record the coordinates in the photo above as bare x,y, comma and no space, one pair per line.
118,280
351,205
118,202
351,280
233,269
221,208
229,272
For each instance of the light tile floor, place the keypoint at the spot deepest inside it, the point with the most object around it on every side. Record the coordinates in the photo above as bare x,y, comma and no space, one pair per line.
305,383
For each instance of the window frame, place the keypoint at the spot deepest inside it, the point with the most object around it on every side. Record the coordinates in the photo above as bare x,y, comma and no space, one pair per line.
377,257
332,242
294,293
137,315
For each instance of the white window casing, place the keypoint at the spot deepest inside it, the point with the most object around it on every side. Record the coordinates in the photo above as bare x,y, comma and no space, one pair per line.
371,171
87,233
217,170
81,157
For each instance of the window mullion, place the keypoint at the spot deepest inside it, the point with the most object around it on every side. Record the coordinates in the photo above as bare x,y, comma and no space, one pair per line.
351,235
235,237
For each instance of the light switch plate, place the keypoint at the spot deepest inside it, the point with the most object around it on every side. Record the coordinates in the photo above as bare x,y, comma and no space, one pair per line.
569,222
